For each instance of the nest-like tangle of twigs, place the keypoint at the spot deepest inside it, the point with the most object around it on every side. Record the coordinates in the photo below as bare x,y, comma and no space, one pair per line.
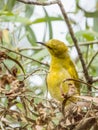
48,114
44,114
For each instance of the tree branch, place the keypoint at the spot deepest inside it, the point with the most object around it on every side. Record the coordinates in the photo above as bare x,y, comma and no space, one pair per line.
38,3
95,79
85,71
24,56
30,48
88,43
87,77
80,81
86,124
92,60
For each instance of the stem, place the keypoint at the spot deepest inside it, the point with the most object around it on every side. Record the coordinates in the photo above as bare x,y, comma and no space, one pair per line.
85,71
92,60
25,56
38,3
95,79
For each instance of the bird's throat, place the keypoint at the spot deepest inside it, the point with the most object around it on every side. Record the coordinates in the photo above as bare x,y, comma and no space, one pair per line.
57,63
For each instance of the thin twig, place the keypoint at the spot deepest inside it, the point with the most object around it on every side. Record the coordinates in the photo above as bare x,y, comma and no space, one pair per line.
66,97
38,3
85,43
25,56
89,110
81,8
80,81
27,76
86,124
6,67
40,48
87,52
88,43
92,60
34,113
86,74
95,79
30,48
87,77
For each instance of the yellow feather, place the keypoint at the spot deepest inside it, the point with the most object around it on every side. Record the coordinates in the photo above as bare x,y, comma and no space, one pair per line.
61,68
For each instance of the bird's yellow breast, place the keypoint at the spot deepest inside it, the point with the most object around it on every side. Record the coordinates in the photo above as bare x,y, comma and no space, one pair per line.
61,68
55,79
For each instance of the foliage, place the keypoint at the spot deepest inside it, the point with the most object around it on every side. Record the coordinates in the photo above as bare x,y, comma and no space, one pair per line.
24,66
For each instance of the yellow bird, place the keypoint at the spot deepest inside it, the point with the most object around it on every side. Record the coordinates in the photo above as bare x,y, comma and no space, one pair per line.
61,69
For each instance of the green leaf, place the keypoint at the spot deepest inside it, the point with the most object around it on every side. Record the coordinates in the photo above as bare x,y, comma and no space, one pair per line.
17,62
77,1
91,14
43,19
40,55
6,13
87,35
10,17
15,124
1,4
95,25
20,106
44,34
10,4
31,35
4,102
9,63
69,39
49,24
81,36
41,0
29,10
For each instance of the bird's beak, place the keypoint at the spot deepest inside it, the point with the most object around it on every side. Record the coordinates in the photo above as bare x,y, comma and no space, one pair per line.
42,43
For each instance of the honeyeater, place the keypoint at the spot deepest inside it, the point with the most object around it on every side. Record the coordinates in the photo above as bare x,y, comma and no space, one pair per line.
61,69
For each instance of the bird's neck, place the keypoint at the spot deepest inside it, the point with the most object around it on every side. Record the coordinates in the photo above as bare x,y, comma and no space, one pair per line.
57,63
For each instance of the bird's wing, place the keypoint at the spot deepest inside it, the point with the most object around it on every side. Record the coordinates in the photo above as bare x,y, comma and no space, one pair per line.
73,72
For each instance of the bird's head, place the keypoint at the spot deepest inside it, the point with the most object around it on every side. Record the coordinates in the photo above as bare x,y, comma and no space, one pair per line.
56,48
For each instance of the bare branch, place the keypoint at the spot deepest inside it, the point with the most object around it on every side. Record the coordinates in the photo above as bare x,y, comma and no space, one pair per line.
95,79
30,48
27,76
24,56
86,74
38,3
86,124
87,77
92,60
80,81
40,48
85,43
88,43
